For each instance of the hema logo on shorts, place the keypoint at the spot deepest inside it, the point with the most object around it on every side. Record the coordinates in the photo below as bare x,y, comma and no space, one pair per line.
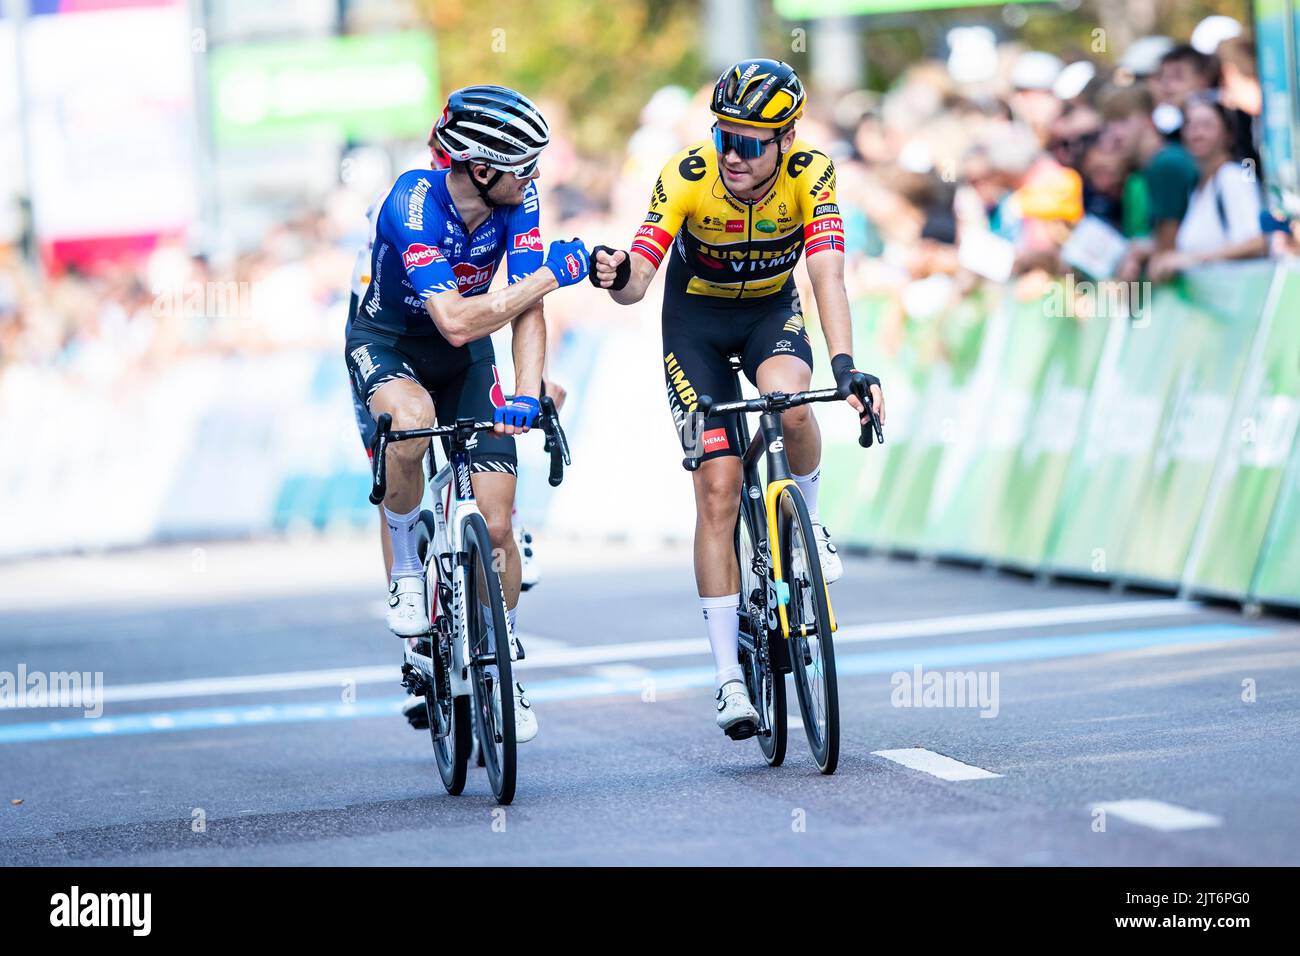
103,909
715,439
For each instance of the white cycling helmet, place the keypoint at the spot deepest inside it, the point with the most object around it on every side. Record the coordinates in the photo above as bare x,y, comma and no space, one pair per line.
493,125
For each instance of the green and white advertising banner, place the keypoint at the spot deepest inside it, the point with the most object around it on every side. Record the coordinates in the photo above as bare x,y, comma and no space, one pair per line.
1021,519
1153,440
852,476
1261,434
374,86
1135,378
996,414
1277,579
948,348
1218,314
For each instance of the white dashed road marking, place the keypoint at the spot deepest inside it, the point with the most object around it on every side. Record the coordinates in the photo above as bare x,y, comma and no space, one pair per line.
1159,815
927,761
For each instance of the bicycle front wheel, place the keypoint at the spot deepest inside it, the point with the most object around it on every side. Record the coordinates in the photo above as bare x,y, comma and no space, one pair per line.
766,686
449,723
491,674
812,649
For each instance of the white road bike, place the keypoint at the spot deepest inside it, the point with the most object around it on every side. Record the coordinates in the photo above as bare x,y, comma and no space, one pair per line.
457,666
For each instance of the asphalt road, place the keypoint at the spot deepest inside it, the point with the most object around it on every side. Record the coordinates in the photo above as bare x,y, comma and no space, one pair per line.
251,697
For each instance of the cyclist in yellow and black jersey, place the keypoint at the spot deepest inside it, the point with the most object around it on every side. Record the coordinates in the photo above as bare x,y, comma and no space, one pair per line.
734,214
728,248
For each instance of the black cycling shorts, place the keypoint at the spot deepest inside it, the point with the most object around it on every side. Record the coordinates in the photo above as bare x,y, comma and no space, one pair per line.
463,381
700,335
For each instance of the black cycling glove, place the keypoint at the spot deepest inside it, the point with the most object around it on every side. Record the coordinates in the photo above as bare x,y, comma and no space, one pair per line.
842,367
622,272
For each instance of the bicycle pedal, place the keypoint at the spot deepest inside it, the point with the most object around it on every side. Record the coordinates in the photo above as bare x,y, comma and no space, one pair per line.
742,730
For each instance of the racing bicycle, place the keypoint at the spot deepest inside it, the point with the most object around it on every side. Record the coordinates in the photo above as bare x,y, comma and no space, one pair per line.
463,665
786,619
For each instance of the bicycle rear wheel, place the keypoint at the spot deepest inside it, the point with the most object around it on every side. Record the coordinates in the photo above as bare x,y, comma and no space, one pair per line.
766,686
812,649
449,721
490,670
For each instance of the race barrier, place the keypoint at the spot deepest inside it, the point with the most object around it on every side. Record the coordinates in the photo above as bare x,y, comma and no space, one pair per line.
1154,448
1149,438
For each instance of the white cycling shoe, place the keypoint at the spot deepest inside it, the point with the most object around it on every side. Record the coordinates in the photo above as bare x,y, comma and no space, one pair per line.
525,719
736,715
529,572
832,567
416,713
408,616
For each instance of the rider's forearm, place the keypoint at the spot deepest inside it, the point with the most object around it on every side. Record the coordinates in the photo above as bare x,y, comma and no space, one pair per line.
464,319
643,273
528,346
832,303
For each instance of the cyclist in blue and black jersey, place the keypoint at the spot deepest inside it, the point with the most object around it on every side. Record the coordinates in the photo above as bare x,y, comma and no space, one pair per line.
418,348
530,573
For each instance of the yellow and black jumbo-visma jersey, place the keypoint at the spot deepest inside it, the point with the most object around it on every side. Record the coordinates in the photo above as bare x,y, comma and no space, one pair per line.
727,248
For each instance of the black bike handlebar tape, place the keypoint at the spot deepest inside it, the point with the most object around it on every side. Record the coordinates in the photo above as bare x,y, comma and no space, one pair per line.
557,466
704,405
622,271
379,487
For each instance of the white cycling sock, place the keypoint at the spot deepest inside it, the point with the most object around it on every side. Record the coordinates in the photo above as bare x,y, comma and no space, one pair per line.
406,557
724,635
512,616
808,484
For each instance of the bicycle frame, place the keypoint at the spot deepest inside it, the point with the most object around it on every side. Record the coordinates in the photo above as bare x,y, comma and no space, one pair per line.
454,504
448,586
769,442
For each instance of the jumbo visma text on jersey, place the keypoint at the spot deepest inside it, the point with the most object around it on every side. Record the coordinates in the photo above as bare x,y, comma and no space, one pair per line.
726,248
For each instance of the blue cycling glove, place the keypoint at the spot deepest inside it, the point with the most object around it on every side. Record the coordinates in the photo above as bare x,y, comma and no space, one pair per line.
520,412
568,261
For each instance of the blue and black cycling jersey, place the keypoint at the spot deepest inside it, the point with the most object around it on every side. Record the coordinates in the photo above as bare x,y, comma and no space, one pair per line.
422,248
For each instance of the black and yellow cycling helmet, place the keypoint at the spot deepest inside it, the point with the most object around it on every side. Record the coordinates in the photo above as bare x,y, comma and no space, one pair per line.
759,92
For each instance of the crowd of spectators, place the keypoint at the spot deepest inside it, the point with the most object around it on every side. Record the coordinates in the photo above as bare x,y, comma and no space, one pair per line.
999,163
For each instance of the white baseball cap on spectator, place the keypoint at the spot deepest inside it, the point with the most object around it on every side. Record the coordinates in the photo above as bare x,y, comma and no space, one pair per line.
916,157
1212,31
972,54
1144,54
1073,79
1035,70
1167,118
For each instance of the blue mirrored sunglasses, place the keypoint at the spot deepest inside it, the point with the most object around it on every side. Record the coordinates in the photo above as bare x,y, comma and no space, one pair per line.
746,147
